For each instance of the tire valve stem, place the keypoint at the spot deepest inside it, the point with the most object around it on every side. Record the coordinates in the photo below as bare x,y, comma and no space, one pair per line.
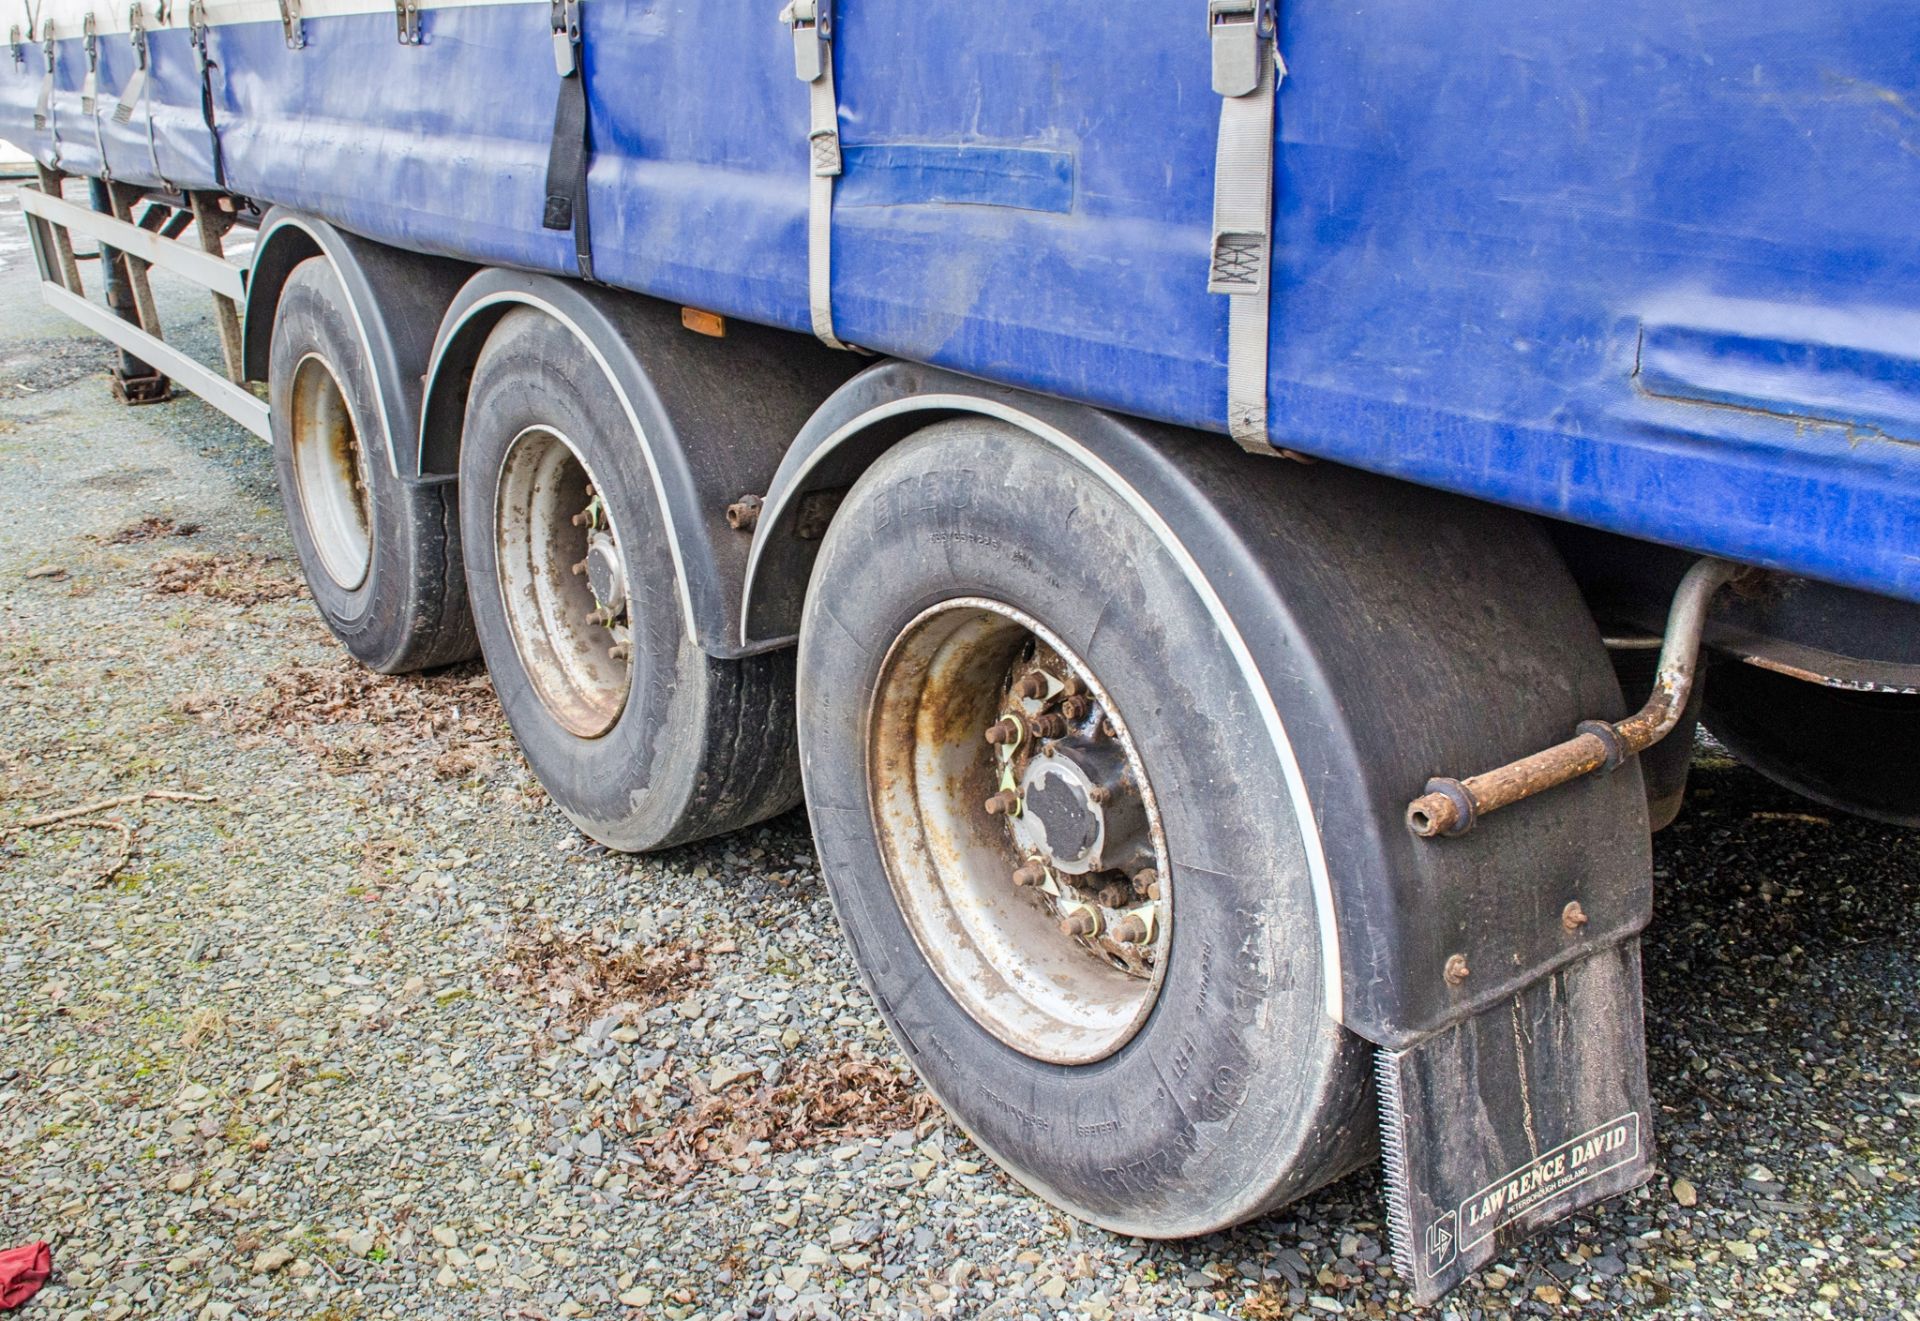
1002,803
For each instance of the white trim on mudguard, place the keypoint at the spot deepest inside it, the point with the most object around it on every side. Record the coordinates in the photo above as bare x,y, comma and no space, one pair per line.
1322,884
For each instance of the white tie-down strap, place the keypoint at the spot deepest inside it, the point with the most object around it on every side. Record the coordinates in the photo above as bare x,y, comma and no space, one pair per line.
1246,72
812,25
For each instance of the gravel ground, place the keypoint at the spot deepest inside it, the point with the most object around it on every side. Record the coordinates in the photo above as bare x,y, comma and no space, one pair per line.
362,1029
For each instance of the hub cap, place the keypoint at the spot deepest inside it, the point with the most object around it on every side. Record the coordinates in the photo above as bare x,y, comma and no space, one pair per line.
329,469
563,583
1019,832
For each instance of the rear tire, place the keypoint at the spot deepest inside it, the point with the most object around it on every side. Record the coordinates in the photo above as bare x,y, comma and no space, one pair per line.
381,557
1224,1089
639,736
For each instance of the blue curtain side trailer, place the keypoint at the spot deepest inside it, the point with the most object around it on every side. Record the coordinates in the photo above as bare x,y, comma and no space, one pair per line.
1229,513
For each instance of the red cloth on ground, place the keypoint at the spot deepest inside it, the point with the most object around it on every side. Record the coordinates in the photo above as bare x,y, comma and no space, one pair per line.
22,1272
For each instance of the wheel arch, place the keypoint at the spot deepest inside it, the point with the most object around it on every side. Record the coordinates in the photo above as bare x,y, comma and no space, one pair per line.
1383,942
706,441
396,299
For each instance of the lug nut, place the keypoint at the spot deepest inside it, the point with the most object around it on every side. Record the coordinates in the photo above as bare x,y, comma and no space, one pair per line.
1115,896
619,651
1573,916
1099,795
1002,803
579,568
1029,873
1004,731
1130,930
1146,881
1456,970
1080,922
1032,686
1075,708
589,490
1048,726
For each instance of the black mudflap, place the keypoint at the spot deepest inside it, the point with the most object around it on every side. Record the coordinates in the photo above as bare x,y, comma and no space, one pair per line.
1502,1124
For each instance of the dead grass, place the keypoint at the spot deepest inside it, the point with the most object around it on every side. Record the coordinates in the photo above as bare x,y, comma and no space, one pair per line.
234,579
151,528
836,1099
351,719
584,976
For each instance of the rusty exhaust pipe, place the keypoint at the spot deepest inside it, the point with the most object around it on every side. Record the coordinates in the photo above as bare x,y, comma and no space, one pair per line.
1453,807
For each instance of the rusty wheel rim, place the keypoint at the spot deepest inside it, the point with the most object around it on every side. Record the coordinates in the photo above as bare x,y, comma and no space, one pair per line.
1019,831
562,580
330,473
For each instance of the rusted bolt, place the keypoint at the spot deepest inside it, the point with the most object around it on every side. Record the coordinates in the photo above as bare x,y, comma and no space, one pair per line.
1004,731
1047,726
1080,922
1075,708
1100,795
589,490
1456,970
1573,916
1032,686
1002,803
743,513
1130,930
1029,873
579,568
582,518
1107,729
1115,896
1145,879
619,651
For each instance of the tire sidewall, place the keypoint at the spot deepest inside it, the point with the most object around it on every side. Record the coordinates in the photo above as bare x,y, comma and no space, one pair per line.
312,317
1238,1092
628,787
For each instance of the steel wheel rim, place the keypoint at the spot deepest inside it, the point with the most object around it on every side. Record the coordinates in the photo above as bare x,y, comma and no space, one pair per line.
330,473
569,627
996,942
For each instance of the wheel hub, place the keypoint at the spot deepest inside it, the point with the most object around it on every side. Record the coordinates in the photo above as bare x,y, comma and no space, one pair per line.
605,574
563,583
1036,898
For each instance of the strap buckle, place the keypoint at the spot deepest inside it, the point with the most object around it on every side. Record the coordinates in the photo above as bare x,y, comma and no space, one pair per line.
566,37
406,17
292,27
137,33
1238,29
812,24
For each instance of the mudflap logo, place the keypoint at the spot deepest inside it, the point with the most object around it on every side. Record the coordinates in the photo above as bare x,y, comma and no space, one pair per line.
1442,1234
1567,1166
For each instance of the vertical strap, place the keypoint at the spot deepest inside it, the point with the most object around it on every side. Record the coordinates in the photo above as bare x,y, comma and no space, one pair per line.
137,81
569,153
197,30
812,24
43,106
1246,72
